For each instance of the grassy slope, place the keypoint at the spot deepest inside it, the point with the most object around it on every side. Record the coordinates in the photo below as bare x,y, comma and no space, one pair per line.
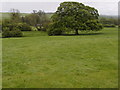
85,61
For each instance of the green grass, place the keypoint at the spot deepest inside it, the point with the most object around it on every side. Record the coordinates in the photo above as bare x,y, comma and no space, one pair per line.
4,16
41,61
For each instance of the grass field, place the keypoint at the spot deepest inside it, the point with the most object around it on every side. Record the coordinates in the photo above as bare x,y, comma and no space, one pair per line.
41,61
7,15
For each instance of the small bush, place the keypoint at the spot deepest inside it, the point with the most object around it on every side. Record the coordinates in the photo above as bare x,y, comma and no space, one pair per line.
24,27
11,30
15,32
34,28
6,32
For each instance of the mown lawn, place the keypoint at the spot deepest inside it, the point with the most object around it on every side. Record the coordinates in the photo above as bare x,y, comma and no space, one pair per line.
40,61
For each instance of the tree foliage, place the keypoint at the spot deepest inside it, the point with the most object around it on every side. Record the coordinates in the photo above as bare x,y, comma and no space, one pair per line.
10,29
37,19
76,16
109,21
23,27
15,15
10,26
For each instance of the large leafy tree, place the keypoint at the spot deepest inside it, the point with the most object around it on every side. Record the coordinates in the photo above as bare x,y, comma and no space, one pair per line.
76,16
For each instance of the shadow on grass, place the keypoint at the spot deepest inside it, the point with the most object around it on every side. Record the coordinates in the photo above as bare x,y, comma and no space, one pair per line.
85,34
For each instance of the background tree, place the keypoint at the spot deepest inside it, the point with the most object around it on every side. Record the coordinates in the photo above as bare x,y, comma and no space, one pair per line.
15,16
14,26
76,16
37,19
109,21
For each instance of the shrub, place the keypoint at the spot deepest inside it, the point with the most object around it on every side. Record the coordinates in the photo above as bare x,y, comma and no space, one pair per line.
6,32
33,28
10,30
24,27
15,32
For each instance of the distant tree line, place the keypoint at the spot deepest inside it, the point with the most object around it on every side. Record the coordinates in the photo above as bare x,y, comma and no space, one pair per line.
108,21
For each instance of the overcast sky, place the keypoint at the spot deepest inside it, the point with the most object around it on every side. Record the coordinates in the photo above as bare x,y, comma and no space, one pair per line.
105,7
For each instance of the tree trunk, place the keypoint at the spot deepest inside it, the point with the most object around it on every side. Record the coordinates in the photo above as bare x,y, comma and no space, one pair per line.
76,32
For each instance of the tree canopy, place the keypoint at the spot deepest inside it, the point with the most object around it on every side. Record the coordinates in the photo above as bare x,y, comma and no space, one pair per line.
75,16
15,16
37,19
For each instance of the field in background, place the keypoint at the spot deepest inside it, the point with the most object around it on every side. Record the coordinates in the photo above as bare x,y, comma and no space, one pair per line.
7,16
40,61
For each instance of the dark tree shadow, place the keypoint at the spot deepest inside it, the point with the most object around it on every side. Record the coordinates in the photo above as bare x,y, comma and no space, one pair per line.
86,34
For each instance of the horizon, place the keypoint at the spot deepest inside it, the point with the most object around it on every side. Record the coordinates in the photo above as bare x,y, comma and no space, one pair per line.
54,12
